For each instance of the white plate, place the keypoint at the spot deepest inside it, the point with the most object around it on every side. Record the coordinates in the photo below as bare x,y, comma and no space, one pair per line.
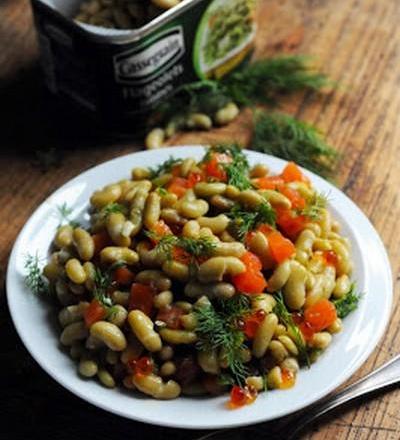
35,321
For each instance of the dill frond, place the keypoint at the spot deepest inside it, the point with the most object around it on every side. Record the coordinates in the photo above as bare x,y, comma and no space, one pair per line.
34,278
285,317
164,167
243,221
288,138
64,212
315,206
113,208
347,304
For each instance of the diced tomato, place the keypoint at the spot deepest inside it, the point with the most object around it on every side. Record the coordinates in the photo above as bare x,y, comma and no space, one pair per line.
176,170
265,229
101,240
123,276
180,255
241,396
95,312
288,379
194,178
251,261
214,167
143,366
306,330
161,229
171,315
292,173
281,248
250,282
177,186
331,258
270,182
289,223
252,322
141,298
320,315
298,202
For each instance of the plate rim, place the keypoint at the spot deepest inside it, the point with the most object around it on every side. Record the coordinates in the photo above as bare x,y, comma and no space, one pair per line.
151,419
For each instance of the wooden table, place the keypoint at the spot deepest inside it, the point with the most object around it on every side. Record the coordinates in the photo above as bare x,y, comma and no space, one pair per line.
356,42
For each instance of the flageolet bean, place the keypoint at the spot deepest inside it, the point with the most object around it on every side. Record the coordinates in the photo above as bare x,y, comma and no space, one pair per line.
193,209
208,361
187,166
258,244
226,114
167,369
64,296
186,306
84,244
115,224
291,364
152,210
118,315
52,271
112,254
250,198
73,332
87,368
216,268
276,198
235,249
194,289
163,299
166,353
204,189
217,224
221,203
140,173
336,326
105,378
92,343
191,229
189,321
320,340
274,378
264,335
112,357
75,271
90,271
154,386
63,237
294,289
232,192
259,170
155,138
176,337
278,351
198,120
176,270
168,200
171,216
154,277
73,313
256,382
263,301
143,327
109,194
120,297
110,334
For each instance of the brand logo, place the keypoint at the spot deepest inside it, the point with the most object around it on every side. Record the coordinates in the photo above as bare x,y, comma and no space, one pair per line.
143,64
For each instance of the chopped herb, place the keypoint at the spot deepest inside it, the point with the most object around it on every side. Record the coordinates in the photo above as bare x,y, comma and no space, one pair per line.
196,247
113,208
34,279
285,317
315,206
243,221
217,330
261,81
286,137
347,304
102,282
162,191
165,167
64,213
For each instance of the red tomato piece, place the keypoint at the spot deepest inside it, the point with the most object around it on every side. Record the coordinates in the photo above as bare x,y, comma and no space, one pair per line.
320,315
281,248
141,298
250,282
161,229
101,240
95,312
180,255
289,223
241,396
123,276
252,322
330,257
306,330
214,167
143,366
177,186
288,379
171,315
298,202
194,178
292,173
270,182
251,261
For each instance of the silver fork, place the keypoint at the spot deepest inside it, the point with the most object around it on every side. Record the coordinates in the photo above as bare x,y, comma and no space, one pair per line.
386,375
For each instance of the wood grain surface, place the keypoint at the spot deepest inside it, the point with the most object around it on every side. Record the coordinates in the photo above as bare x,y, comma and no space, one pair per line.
356,41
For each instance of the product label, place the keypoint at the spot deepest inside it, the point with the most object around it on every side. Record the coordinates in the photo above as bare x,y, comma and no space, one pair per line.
147,62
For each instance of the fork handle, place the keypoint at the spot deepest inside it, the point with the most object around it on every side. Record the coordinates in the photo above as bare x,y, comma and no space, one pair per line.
386,375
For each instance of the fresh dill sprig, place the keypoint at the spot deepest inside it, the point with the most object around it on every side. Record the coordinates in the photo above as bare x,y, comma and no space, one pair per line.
261,81
164,167
217,330
34,279
285,317
315,206
196,247
288,138
102,282
113,208
64,212
348,303
243,221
